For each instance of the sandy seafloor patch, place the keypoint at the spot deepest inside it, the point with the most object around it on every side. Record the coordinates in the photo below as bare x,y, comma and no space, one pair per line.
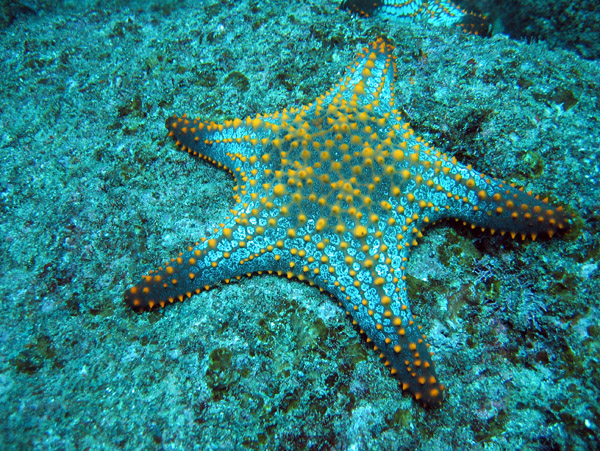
93,195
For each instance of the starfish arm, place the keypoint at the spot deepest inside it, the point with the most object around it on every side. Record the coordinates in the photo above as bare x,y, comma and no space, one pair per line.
249,241
371,288
368,82
434,187
438,13
499,206
226,145
235,248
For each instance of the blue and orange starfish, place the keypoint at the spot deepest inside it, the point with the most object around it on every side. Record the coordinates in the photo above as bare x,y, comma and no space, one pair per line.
336,193
439,13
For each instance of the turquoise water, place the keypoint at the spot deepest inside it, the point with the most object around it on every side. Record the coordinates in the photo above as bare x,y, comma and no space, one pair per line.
93,195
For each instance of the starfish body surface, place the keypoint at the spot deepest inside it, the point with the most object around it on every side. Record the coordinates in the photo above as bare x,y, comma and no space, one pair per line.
336,193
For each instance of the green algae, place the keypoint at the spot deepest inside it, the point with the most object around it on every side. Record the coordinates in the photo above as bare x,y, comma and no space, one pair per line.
31,359
220,376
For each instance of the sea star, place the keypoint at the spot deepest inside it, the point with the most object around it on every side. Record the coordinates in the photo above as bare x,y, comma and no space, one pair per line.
336,193
439,13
